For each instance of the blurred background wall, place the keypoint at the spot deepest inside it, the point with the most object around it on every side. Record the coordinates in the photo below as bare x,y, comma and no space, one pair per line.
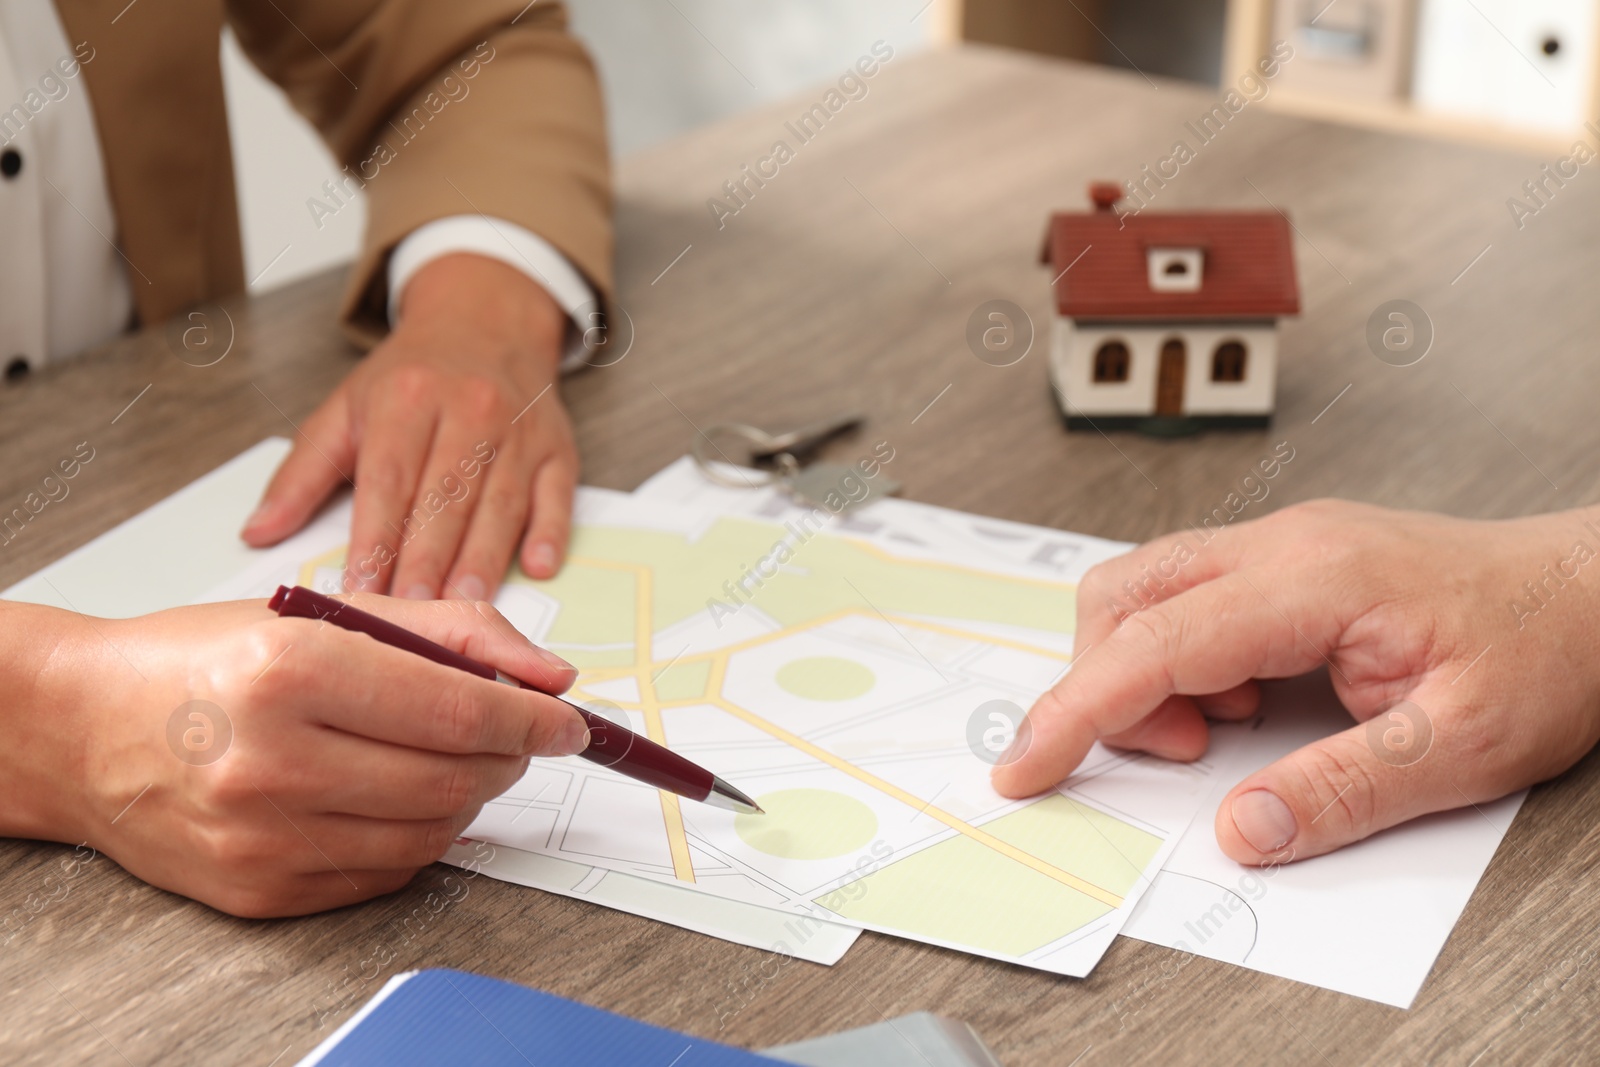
665,66
1518,72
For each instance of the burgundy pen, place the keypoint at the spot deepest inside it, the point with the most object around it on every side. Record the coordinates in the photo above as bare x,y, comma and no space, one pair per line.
610,745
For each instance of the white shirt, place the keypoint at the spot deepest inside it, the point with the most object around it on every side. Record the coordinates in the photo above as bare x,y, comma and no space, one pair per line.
64,285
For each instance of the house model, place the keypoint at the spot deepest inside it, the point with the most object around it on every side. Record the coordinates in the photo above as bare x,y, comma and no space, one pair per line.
1167,322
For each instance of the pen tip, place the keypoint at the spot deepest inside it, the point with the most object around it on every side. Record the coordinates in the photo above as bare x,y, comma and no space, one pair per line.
725,796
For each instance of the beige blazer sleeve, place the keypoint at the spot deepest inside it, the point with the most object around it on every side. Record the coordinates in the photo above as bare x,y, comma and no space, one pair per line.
445,107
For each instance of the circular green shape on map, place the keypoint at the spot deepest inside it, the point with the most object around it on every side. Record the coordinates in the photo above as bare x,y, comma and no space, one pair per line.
826,678
808,824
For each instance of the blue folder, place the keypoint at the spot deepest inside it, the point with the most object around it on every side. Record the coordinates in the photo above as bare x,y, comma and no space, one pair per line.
440,1016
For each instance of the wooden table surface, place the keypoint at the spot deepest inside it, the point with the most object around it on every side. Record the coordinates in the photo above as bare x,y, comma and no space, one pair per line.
847,282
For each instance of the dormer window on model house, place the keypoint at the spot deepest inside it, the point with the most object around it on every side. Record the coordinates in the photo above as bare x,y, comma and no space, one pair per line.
1167,322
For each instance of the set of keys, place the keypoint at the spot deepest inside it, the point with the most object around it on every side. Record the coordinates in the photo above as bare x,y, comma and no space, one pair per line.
780,459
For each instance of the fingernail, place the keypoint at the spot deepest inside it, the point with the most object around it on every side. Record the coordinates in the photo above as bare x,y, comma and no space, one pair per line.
471,588
419,591
574,737
1264,820
1016,749
260,515
543,558
554,660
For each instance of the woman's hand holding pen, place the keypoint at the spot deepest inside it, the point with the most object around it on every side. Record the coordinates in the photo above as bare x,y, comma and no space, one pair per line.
271,766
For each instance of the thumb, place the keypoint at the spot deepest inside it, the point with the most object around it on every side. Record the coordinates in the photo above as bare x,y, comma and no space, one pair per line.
1341,789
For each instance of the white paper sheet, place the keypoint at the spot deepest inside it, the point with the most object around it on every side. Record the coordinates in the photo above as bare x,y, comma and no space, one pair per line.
743,924
1368,920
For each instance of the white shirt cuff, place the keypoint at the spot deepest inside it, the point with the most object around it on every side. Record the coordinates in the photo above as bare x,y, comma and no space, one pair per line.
510,244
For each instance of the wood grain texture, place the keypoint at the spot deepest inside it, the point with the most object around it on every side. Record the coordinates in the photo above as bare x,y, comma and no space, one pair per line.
847,282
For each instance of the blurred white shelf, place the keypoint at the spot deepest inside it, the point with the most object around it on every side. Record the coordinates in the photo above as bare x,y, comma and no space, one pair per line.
1518,73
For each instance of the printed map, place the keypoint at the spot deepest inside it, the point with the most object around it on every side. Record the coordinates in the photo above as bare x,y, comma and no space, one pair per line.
844,680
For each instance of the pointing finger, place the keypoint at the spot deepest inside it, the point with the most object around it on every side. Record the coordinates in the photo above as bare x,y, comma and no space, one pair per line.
1208,640
1153,572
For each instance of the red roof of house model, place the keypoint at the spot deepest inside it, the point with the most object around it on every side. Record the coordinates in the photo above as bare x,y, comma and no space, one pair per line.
1247,271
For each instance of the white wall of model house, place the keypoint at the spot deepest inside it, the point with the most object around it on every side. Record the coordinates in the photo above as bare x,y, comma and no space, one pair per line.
1073,347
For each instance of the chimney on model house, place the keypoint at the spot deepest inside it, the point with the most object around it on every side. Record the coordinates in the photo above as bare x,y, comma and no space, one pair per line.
1105,195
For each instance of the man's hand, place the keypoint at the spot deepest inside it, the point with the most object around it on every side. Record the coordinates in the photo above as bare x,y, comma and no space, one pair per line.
1489,628
455,434
273,766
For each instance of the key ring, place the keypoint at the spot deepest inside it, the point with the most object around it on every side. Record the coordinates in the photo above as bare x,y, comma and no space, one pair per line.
760,442
780,449
776,460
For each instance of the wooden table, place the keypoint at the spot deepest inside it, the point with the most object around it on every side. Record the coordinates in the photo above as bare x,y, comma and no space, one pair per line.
847,283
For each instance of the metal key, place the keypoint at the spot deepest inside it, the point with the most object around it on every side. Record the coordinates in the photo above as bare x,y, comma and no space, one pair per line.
832,485
807,438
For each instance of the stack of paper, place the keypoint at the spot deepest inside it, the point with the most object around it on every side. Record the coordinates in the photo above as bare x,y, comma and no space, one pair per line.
844,679
1368,920
858,674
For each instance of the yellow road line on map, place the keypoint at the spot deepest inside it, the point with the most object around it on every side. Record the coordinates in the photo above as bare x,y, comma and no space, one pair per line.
655,729
677,839
822,620
671,811
308,570
904,561
976,833
972,635
762,639
931,564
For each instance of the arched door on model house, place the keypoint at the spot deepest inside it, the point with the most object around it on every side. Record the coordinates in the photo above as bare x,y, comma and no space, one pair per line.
1169,382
